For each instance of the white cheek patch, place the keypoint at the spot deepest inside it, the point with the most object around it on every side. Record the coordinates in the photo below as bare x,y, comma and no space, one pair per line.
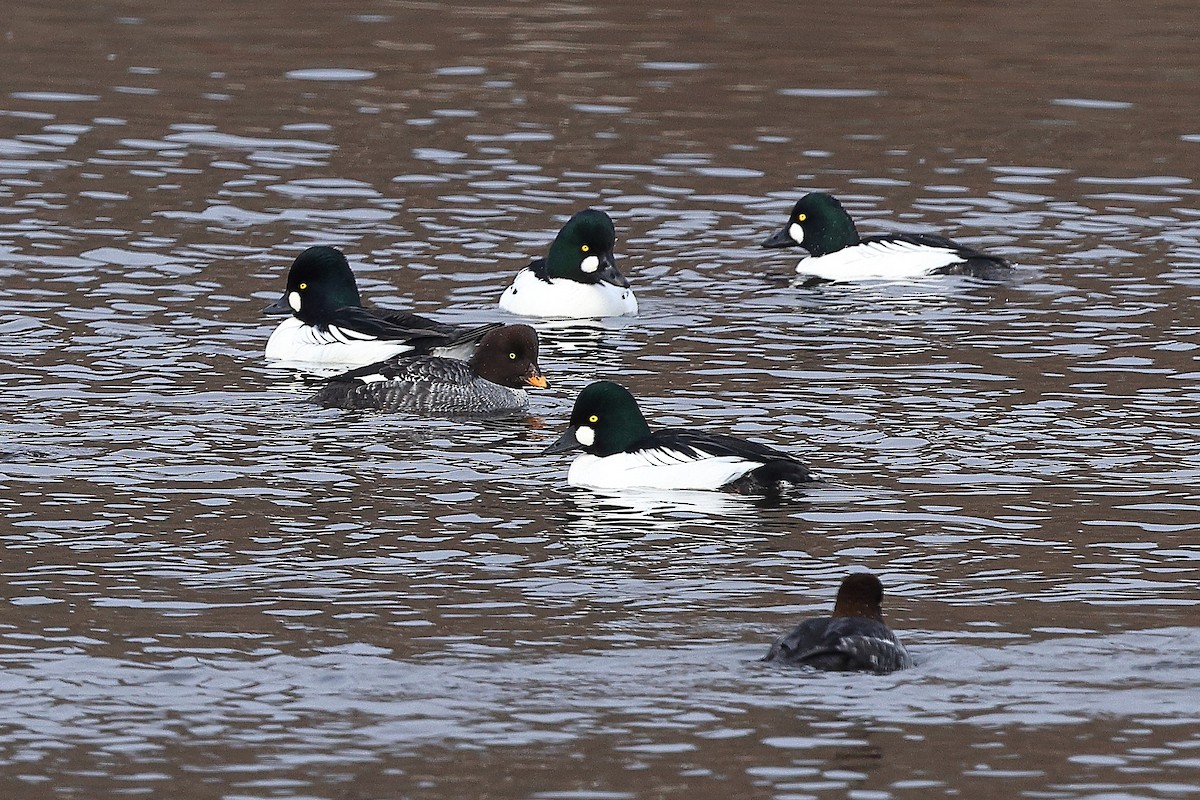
590,264
796,232
585,435
294,301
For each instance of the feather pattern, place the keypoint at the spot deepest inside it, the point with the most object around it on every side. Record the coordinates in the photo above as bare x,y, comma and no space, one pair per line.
359,337
421,385
370,324
431,384
842,644
675,458
853,637
884,257
313,345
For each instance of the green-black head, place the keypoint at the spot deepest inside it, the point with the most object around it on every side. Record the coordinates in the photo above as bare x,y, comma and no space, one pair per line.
583,250
319,283
819,224
606,420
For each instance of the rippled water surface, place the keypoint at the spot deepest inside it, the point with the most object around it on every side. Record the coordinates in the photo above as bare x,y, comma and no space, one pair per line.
213,589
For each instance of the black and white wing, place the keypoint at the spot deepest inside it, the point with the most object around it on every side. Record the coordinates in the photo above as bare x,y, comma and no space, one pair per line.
355,323
772,467
963,260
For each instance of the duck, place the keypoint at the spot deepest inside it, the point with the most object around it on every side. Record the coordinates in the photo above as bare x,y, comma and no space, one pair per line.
491,383
621,452
578,278
820,225
329,327
854,638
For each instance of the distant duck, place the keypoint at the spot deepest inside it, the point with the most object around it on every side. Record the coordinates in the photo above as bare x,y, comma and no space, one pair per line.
820,225
620,451
853,639
328,325
577,279
491,383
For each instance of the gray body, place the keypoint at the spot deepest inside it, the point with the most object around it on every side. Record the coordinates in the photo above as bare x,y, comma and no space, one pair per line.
842,644
424,385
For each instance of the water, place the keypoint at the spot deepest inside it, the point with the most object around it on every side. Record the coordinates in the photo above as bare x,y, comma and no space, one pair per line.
215,590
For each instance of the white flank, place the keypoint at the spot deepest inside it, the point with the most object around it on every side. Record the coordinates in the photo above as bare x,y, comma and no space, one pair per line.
295,341
657,469
585,435
530,296
878,261
590,264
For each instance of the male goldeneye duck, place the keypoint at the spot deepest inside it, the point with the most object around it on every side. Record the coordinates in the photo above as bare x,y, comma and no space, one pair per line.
820,225
577,279
329,325
491,383
620,451
853,639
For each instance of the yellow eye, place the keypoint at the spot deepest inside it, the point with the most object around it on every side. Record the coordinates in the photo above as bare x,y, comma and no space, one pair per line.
513,356
801,217
584,248
593,418
304,286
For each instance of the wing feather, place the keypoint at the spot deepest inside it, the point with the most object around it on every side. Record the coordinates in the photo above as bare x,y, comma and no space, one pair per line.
355,323
421,384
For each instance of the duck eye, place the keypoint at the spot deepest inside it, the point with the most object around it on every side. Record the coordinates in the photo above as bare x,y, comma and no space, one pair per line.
304,286
593,418
585,248
801,217
513,356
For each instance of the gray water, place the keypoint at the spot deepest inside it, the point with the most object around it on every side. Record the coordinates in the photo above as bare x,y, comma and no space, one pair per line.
213,589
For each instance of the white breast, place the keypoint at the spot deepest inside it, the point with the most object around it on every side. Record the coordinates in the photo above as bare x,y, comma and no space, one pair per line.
530,296
295,341
878,260
656,470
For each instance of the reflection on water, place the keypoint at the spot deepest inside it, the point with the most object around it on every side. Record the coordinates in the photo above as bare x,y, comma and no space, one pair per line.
216,589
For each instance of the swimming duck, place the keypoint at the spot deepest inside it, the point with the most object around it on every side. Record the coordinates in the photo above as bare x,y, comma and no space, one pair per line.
577,279
491,383
329,325
853,639
620,451
820,225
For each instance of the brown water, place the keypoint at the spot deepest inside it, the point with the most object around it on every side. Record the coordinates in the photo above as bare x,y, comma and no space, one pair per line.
213,590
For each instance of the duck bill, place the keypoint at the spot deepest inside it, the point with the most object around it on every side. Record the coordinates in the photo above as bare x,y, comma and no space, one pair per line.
280,306
564,443
608,273
537,380
779,239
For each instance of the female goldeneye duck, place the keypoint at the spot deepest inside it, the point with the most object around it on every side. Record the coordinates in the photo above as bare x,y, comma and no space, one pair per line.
577,279
820,225
491,383
853,639
329,326
620,451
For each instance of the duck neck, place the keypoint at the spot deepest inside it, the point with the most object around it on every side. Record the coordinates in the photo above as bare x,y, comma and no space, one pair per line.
838,234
